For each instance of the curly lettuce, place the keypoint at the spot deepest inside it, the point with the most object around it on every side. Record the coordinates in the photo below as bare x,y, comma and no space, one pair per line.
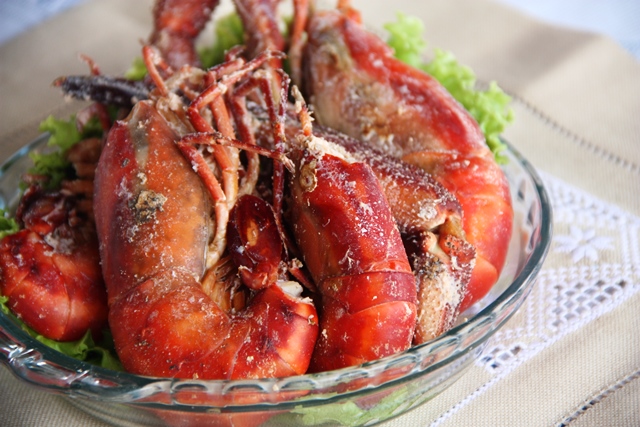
63,134
490,107
229,32
137,70
8,225
351,413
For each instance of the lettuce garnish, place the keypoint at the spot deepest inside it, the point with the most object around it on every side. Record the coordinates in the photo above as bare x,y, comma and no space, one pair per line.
405,37
489,107
349,413
8,225
137,70
229,32
63,134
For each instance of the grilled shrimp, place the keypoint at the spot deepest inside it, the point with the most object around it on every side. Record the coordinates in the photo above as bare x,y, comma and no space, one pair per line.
357,87
155,230
50,269
347,234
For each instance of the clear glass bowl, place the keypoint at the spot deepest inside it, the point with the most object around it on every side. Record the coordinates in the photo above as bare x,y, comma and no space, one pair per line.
358,395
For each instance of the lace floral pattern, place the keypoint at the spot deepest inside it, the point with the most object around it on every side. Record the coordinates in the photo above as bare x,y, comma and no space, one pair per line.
582,243
593,267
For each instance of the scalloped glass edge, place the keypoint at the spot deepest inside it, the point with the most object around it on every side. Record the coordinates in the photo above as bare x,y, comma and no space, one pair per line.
48,369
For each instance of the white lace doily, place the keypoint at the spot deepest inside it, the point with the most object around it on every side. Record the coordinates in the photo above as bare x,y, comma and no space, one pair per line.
592,267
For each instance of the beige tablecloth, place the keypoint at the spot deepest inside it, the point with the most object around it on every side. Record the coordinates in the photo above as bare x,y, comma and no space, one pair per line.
571,355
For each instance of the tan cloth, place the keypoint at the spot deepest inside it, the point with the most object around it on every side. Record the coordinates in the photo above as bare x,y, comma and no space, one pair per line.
577,102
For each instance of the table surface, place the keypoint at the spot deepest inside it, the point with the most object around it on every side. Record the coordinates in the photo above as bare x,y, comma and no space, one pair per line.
571,355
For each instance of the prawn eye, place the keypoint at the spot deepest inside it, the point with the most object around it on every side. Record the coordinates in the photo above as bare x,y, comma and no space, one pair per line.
307,179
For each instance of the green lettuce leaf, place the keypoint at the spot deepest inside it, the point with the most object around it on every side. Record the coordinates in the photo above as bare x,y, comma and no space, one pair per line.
228,33
86,349
8,225
63,134
405,37
351,414
137,70
489,107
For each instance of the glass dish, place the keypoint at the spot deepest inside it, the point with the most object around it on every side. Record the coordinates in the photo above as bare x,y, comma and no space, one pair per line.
358,395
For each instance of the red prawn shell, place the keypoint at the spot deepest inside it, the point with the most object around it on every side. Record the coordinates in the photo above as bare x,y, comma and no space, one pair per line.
354,252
